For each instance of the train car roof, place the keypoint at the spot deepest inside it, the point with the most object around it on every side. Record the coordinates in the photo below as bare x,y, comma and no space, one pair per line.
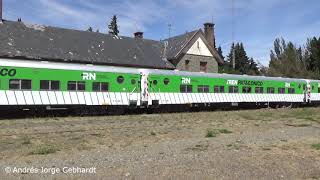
115,69
225,76
66,66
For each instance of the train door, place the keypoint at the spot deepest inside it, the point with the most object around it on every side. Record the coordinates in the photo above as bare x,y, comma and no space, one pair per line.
144,93
307,92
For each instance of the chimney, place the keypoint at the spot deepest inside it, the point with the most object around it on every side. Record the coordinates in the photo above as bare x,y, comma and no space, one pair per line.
138,35
209,33
0,10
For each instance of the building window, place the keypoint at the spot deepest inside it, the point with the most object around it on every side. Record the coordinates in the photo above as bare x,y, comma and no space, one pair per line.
259,90
203,66
246,89
186,88
203,89
291,90
20,84
270,90
76,85
187,65
281,90
49,85
218,89
233,89
100,86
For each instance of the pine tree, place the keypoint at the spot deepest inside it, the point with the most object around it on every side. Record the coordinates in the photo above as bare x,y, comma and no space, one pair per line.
90,29
220,52
287,61
113,26
312,56
244,65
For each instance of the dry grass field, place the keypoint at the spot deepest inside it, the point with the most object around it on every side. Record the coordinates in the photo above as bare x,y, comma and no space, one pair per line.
247,144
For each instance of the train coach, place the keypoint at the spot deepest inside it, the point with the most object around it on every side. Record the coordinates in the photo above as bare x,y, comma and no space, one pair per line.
30,85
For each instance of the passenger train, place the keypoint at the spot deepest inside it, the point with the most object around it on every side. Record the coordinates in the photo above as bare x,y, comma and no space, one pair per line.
33,85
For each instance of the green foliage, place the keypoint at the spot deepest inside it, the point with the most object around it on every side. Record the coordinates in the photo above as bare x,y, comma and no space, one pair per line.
316,146
312,56
215,132
287,60
243,64
45,149
113,26
211,133
224,131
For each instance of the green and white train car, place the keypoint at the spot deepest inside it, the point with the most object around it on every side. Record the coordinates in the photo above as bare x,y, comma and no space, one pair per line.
26,84
187,87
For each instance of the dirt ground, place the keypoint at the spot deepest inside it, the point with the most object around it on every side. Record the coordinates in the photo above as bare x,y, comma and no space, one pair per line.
247,144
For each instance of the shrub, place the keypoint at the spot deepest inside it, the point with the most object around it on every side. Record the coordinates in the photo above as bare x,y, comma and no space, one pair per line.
45,149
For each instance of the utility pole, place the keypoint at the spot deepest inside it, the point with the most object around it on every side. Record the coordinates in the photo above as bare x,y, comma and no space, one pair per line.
233,27
169,29
0,10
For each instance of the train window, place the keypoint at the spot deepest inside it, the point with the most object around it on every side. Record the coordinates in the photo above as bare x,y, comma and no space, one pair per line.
304,87
55,85
14,84
49,85
270,90
23,84
133,81
44,85
246,89
291,90
299,86
155,82
76,85
81,86
186,88
166,81
281,90
259,90
312,87
26,84
319,90
100,86
233,89
104,86
219,89
203,88
72,85
120,79
95,86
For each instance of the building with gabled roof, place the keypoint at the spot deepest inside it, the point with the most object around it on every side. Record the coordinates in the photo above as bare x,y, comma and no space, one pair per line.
189,52
194,51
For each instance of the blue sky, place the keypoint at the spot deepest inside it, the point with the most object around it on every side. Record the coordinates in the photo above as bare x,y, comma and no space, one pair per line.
257,22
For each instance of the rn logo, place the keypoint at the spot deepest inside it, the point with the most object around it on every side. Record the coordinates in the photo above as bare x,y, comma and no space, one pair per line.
7,72
185,80
232,82
287,85
88,76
